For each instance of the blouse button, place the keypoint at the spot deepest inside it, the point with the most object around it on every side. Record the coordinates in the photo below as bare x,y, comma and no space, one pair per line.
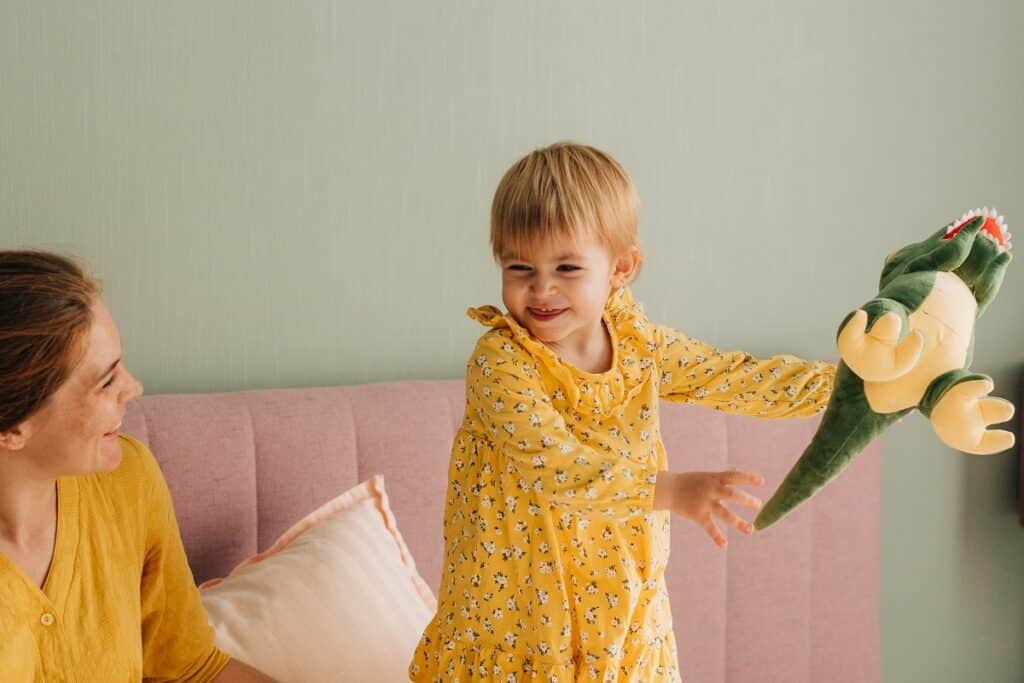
46,619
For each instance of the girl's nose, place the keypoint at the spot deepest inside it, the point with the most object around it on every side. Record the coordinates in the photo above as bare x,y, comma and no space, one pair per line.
542,284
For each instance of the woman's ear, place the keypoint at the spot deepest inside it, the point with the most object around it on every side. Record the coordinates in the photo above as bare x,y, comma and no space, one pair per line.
15,438
625,267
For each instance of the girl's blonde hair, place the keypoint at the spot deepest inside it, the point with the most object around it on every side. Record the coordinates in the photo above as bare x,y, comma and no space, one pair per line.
564,189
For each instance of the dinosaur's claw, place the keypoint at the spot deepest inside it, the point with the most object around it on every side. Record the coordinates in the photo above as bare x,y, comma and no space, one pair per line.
877,356
962,415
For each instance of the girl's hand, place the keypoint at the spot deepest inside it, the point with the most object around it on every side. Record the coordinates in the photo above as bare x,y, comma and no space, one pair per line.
700,497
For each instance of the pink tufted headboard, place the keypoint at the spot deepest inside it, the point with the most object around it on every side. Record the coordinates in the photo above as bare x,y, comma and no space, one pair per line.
797,603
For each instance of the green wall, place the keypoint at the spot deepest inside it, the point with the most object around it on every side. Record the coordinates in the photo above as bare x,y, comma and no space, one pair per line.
291,194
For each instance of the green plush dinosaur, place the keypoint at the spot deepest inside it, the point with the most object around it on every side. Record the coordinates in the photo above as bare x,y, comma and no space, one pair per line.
910,347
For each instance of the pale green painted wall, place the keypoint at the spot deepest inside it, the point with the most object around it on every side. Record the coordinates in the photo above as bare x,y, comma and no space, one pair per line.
287,194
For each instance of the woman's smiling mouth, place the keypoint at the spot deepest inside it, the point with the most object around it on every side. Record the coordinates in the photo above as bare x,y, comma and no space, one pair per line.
112,433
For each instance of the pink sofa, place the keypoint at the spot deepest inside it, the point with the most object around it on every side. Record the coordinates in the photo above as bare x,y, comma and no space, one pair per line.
796,603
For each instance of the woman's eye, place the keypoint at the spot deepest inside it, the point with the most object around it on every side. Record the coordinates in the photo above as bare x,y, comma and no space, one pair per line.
110,382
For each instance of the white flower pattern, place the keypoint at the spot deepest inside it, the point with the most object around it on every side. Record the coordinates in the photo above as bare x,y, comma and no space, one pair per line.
555,561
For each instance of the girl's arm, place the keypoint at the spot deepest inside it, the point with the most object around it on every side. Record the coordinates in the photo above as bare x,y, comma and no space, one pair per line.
783,386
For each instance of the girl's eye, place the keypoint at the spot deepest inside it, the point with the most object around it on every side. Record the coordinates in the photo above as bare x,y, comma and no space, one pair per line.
566,268
519,267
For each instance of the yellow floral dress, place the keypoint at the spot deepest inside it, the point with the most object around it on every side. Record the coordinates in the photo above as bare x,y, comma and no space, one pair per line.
555,560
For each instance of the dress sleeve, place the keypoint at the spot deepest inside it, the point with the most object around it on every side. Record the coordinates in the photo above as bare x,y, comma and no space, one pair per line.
538,453
692,371
177,639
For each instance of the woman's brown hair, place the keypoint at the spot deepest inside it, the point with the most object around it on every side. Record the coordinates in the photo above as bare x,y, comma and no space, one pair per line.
45,311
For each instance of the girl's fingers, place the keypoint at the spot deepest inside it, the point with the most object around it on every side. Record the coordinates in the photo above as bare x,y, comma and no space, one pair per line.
735,476
713,531
741,497
732,519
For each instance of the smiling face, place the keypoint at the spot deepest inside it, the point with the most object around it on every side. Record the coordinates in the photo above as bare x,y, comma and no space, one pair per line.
75,431
558,288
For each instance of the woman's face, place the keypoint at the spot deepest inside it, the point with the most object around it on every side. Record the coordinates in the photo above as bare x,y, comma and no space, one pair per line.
75,432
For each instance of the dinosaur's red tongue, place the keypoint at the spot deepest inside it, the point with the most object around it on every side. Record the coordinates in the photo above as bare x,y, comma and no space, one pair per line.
990,226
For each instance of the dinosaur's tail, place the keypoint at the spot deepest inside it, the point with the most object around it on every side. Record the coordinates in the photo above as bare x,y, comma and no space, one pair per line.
847,427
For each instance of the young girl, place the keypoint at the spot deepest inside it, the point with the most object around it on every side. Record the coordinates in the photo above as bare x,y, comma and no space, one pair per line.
557,510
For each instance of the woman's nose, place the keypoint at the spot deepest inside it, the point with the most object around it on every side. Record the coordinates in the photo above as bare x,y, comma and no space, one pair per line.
133,388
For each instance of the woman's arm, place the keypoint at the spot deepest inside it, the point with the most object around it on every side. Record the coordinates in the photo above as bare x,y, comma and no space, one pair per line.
236,672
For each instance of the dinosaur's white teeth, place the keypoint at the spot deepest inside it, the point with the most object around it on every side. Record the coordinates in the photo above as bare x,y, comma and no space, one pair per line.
1002,239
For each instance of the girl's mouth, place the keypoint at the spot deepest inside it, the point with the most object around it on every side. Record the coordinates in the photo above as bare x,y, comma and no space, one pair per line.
545,314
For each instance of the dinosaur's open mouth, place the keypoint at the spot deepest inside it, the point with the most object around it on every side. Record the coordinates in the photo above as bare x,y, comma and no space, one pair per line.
994,227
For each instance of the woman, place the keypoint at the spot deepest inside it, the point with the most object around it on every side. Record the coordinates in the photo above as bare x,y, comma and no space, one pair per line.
94,581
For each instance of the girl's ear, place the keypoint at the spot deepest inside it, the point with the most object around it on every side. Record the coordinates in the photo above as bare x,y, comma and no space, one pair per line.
625,267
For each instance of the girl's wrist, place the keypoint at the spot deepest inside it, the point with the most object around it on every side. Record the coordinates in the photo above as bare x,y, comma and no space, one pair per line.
665,490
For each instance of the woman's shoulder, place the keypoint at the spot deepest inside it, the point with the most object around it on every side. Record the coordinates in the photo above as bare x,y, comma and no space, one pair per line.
137,473
132,495
132,447
136,456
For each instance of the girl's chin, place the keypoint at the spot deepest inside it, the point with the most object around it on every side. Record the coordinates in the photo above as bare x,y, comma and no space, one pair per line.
546,336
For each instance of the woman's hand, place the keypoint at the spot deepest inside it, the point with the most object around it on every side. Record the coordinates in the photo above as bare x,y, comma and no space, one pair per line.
701,496
236,672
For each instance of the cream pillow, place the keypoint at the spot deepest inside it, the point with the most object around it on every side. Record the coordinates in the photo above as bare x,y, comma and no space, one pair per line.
336,598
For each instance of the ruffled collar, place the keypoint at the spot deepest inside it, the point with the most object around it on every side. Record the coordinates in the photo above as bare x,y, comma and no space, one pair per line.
604,391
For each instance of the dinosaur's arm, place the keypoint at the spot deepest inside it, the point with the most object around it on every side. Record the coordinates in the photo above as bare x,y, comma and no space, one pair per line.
961,411
874,341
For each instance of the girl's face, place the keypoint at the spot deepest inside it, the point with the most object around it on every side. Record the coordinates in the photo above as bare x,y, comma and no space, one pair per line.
75,432
559,289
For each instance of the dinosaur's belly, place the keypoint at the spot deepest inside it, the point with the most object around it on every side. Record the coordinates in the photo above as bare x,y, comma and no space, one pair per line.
946,319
